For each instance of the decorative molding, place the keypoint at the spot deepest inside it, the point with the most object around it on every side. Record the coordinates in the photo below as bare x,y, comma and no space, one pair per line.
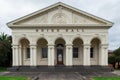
80,19
60,26
24,35
105,22
59,18
43,19
60,35
42,35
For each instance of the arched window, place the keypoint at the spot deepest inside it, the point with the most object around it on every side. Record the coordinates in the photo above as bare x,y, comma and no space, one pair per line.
75,52
25,48
42,48
44,52
91,52
77,47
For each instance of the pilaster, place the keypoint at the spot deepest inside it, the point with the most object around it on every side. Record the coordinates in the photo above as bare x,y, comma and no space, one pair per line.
15,55
86,55
51,55
33,55
69,54
20,55
103,59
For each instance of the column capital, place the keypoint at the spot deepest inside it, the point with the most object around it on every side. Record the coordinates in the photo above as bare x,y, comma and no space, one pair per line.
51,44
15,46
20,46
33,46
104,45
86,45
69,44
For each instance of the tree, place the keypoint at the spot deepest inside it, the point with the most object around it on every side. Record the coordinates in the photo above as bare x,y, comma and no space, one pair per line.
5,50
118,60
111,60
117,52
117,56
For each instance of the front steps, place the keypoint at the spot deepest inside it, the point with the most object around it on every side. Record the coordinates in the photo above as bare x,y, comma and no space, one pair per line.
62,69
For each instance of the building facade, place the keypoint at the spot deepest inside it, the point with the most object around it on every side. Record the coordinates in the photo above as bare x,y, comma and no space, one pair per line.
60,35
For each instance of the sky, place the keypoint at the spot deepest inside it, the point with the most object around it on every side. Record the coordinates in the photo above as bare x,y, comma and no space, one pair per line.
106,9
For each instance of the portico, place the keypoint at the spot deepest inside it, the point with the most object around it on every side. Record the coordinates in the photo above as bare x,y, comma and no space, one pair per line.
60,35
28,53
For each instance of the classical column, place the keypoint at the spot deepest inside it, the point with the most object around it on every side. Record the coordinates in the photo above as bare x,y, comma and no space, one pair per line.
15,56
20,55
69,54
103,55
51,54
86,55
33,55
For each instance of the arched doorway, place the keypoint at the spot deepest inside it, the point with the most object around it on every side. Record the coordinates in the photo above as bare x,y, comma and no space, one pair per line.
25,51
42,52
60,50
95,51
77,51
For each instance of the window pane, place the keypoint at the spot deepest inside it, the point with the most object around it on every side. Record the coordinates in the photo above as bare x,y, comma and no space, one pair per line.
91,52
75,52
44,52
28,53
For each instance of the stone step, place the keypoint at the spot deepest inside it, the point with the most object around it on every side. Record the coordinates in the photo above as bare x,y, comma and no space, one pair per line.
62,69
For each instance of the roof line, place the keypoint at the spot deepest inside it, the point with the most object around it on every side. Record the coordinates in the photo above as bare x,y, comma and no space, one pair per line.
64,5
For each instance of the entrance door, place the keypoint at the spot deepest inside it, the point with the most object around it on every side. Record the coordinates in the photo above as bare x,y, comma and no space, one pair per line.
59,56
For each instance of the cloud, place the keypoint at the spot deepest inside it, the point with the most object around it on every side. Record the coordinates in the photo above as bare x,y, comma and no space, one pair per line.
107,9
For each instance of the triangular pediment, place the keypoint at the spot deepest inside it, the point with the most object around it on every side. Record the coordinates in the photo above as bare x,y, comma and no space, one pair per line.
59,13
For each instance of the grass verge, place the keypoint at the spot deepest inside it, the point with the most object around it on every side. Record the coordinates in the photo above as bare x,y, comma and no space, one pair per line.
13,78
106,78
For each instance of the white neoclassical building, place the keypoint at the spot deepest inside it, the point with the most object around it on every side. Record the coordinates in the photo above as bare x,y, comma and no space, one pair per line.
60,35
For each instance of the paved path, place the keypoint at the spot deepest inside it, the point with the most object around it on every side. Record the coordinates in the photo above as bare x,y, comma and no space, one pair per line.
60,76
3,73
50,75
117,72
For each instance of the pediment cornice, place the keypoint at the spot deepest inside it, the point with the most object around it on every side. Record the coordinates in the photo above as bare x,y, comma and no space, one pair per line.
61,26
102,22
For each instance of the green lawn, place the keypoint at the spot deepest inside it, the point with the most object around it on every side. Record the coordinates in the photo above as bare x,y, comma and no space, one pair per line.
13,78
106,78
3,69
